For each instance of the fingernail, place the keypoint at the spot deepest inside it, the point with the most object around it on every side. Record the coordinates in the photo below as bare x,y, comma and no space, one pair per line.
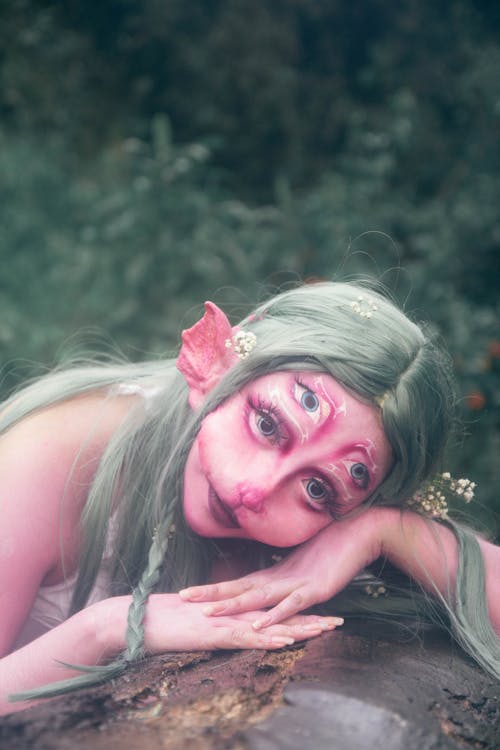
262,623
191,593
281,640
210,610
331,623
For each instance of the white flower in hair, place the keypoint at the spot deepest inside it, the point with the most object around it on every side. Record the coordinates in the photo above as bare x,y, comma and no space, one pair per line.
364,306
432,499
242,343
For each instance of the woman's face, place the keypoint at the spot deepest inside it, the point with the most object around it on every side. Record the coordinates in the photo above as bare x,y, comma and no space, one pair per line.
282,458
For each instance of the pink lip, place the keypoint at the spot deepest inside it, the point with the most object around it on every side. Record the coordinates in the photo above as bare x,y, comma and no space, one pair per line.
221,512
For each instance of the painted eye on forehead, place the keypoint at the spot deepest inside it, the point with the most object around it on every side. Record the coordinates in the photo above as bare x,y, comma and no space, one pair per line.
307,399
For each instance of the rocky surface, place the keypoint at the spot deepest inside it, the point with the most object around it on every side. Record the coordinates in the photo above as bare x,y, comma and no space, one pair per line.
363,686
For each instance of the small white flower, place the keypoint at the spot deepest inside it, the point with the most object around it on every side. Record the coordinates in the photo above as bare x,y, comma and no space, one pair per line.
243,343
433,498
364,306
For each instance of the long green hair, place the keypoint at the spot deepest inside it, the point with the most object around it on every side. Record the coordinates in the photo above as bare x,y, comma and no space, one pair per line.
383,359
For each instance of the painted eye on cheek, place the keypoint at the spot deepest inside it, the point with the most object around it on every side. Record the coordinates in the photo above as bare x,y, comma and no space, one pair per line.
317,491
321,496
309,401
360,475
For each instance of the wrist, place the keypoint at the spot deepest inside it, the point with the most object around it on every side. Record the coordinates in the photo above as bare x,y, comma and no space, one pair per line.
386,525
108,622
371,532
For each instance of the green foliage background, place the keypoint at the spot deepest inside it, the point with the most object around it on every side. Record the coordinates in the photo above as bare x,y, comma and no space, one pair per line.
154,154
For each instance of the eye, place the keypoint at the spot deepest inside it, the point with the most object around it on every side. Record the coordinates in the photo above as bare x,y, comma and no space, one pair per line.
320,494
266,426
309,401
360,475
316,490
266,420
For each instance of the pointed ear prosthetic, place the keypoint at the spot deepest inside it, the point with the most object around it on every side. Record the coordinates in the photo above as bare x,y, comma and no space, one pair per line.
205,356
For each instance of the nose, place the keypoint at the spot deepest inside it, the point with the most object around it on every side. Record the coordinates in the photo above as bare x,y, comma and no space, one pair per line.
250,496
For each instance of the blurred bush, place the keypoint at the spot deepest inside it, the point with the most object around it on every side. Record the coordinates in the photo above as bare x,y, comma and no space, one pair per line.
302,139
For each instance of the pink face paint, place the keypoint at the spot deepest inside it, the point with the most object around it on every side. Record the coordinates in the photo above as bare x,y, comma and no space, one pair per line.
278,460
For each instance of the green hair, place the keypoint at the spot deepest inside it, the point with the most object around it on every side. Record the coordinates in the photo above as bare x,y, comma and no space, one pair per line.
385,359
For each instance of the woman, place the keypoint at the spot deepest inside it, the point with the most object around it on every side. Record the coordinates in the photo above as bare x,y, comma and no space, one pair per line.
310,426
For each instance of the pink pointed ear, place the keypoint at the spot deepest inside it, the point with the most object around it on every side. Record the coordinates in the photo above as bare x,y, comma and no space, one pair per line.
204,357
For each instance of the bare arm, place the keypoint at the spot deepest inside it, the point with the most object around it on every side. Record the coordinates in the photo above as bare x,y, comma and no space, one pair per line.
320,568
427,551
97,634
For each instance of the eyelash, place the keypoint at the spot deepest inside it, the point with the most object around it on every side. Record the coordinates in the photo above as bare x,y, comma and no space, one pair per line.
269,411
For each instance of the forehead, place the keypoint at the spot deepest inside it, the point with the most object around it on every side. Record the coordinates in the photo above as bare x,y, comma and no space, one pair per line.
334,399
337,413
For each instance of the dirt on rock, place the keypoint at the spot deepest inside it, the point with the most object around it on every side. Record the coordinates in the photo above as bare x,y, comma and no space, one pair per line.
375,686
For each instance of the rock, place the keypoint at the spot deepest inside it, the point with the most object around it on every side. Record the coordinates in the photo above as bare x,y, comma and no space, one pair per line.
366,685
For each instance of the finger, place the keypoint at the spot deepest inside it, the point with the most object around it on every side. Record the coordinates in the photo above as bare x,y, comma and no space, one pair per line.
241,635
256,598
289,606
301,631
215,591
320,622
313,621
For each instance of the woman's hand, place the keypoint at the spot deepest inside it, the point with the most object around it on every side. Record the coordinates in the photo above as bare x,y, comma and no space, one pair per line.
173,624
97,633
312,573
320,568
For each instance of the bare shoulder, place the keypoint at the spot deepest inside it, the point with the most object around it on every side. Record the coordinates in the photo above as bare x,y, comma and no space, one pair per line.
41,454
47,462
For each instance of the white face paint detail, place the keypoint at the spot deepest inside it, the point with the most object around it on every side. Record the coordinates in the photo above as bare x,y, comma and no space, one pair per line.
275,398
326,400
369,448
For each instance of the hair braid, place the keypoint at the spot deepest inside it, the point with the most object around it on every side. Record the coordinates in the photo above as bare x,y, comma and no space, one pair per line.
92,676
140,594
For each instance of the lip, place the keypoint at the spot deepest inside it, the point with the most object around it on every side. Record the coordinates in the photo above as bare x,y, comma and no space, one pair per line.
220,512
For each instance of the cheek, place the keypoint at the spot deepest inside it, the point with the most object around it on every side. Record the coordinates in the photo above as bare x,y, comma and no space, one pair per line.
289,532
224,444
